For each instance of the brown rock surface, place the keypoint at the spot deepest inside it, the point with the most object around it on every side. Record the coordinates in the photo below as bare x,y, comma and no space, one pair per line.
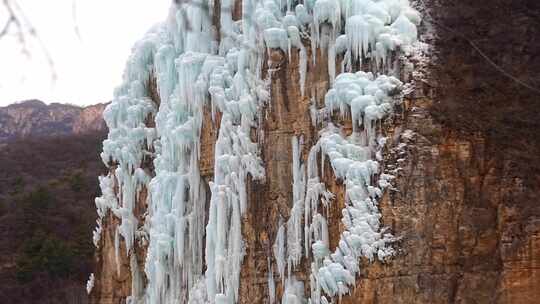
34,118
90,119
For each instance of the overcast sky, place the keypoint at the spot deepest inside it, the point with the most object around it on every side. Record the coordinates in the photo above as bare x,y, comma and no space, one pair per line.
89,68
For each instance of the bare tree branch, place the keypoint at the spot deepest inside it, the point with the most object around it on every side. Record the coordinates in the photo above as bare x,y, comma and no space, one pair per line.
75,22
6,26
24,31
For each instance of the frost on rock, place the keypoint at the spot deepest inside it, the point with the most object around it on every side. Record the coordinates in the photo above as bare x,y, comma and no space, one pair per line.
363,237
194,252
90,283
370,33
106,201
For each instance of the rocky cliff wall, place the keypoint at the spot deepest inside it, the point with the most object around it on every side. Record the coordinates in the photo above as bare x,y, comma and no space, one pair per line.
465,212
33,118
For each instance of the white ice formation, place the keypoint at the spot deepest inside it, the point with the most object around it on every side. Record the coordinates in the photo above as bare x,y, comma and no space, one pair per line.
90,283
195,255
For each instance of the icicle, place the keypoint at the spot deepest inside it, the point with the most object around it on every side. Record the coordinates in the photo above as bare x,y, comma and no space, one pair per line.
295,40
326,11
294,230
331,61
279,251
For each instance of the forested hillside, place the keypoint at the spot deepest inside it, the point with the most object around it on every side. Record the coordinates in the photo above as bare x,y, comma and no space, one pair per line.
47,211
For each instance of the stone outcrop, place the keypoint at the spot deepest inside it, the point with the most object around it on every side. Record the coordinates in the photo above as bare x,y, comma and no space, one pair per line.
90,119
34,118
465,211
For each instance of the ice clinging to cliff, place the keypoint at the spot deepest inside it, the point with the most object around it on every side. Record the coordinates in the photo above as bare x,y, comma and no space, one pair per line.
201,61
191,71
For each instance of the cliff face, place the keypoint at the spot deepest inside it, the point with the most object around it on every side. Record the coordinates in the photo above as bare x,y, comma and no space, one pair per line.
35,118
90,119
464,205
469,223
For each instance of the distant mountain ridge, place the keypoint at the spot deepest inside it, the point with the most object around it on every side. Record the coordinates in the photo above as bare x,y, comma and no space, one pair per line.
34,118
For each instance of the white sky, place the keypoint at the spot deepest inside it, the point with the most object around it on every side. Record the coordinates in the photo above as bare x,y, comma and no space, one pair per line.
88,68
